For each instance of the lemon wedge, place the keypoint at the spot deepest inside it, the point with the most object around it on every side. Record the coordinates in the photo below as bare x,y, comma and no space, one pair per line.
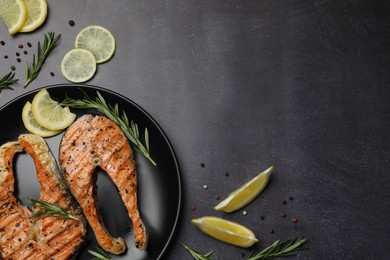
49,113
226,231
32,125
97,40
14,14
78,65
36,14
246,193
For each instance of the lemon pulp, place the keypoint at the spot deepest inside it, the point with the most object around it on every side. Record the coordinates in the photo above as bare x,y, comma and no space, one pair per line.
78,65
97,40
14,14
246,193
226,231
49,113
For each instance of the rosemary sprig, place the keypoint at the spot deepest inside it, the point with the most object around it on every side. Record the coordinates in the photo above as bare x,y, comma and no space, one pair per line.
129,128
42,52
197,255
278,249
46,209
100,255
7,80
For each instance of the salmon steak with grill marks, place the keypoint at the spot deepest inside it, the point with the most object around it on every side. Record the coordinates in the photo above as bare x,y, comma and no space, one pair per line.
96,141
49,237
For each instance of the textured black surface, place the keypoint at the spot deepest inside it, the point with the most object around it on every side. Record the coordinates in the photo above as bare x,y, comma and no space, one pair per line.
240,85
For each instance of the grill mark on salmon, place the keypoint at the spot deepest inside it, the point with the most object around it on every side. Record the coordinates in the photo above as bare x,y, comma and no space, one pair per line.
48,237
93,141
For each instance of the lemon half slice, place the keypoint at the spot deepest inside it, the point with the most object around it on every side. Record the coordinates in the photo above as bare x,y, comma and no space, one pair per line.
32,125
14,14
49,113
36,14
246,193
97,40
226,231
78,65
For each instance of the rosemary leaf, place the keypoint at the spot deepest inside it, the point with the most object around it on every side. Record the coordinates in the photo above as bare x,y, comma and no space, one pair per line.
46,209
112,112
7,80
279,249
196,255
49,43
100,255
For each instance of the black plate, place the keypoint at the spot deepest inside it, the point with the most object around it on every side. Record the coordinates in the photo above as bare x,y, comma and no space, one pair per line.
159,187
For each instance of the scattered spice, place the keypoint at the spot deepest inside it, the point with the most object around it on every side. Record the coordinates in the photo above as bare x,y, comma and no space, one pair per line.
244,213
242,254
283,215
202,165
284,202
20,46
193,208
291,198
13,67
52,74
17,54
18,60
217,197
29,44
71,23
227,174
25,52
205,187
262,217
2,43
272,231
294,220
5,56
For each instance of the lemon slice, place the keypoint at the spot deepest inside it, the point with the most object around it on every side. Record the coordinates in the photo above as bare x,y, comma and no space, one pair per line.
49,113
36,14
226,231
97,40
246,193
32,125
14,14
78,65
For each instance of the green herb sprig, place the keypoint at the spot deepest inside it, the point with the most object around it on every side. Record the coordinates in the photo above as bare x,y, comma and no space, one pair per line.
100,255
278,249
46,209
49,43
8,80
129,128
196,255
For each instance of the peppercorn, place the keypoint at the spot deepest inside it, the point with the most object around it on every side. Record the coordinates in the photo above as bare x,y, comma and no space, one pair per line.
29,44
20,46
52,74
193,207
284,202
262,217
272,231
202,165
227,174
5,56
283,215
13,67
18,60
291,198
294,220
2,43
17,54
25,52
217,197
71,23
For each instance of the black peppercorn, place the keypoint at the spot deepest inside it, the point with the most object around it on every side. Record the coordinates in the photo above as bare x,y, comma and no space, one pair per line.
71,23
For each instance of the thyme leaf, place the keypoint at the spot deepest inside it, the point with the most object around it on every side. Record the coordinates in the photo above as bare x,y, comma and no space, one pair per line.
49,43
46,209
112,111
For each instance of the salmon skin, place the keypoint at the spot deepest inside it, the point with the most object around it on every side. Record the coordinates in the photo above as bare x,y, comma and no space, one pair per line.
96,141
50,237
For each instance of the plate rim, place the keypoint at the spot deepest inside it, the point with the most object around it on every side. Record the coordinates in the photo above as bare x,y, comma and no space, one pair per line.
154,122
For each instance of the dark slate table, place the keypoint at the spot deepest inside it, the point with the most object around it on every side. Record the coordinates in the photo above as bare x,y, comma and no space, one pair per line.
238,86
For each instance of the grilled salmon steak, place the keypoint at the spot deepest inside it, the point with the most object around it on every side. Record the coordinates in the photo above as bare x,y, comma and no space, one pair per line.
96,141
49,237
